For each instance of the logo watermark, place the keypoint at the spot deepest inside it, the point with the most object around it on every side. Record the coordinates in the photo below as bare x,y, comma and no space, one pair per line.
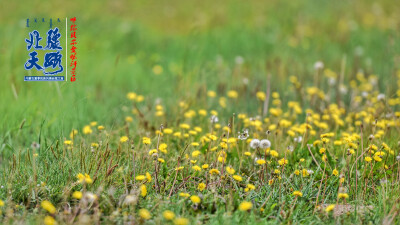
45,53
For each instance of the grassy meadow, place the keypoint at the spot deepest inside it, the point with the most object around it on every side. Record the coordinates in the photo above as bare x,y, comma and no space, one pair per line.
205,112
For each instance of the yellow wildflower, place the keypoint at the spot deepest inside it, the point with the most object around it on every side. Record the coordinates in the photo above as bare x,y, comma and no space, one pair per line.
48,206
123,139
77,194
168,215
329,208
343,195
143,190
237,177
245,206
195,199
144,214
201,186
298,194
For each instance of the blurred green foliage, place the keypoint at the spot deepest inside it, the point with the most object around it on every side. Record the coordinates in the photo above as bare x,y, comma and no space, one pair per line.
196,43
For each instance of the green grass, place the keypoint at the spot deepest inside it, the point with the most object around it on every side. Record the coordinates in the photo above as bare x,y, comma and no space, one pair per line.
197,44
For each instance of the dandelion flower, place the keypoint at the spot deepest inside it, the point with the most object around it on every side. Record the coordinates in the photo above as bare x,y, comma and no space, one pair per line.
335,172
211,94
261,96
237,177
243,136
202,112
329,208
245,206
181,221
77,194
343,195
232,94
283,161
139,98
179,168
249,187
87,130
298,194
49,220
255,143
274,153
318,65
195,199
167,131
230,170
260,162
214,172
48,206
182,194
201,186
144,214
161,160
168,215
148,177
184,126
123,139
143,190
377,158
131,96
95,145
264,144
140,177
305,173
196,153
196,168
146,140
84,178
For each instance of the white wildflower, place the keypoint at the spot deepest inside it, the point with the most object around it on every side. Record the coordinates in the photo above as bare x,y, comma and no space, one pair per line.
265,144
298,139
214,119
244,135
319,65
255,143
381,97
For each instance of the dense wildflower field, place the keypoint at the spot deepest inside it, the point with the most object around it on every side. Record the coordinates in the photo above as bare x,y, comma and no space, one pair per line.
261,118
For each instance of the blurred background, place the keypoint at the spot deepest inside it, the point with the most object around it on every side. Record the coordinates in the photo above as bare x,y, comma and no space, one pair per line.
176,50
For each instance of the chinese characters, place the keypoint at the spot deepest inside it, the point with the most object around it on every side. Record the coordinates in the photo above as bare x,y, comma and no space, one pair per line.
73,49
52,59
